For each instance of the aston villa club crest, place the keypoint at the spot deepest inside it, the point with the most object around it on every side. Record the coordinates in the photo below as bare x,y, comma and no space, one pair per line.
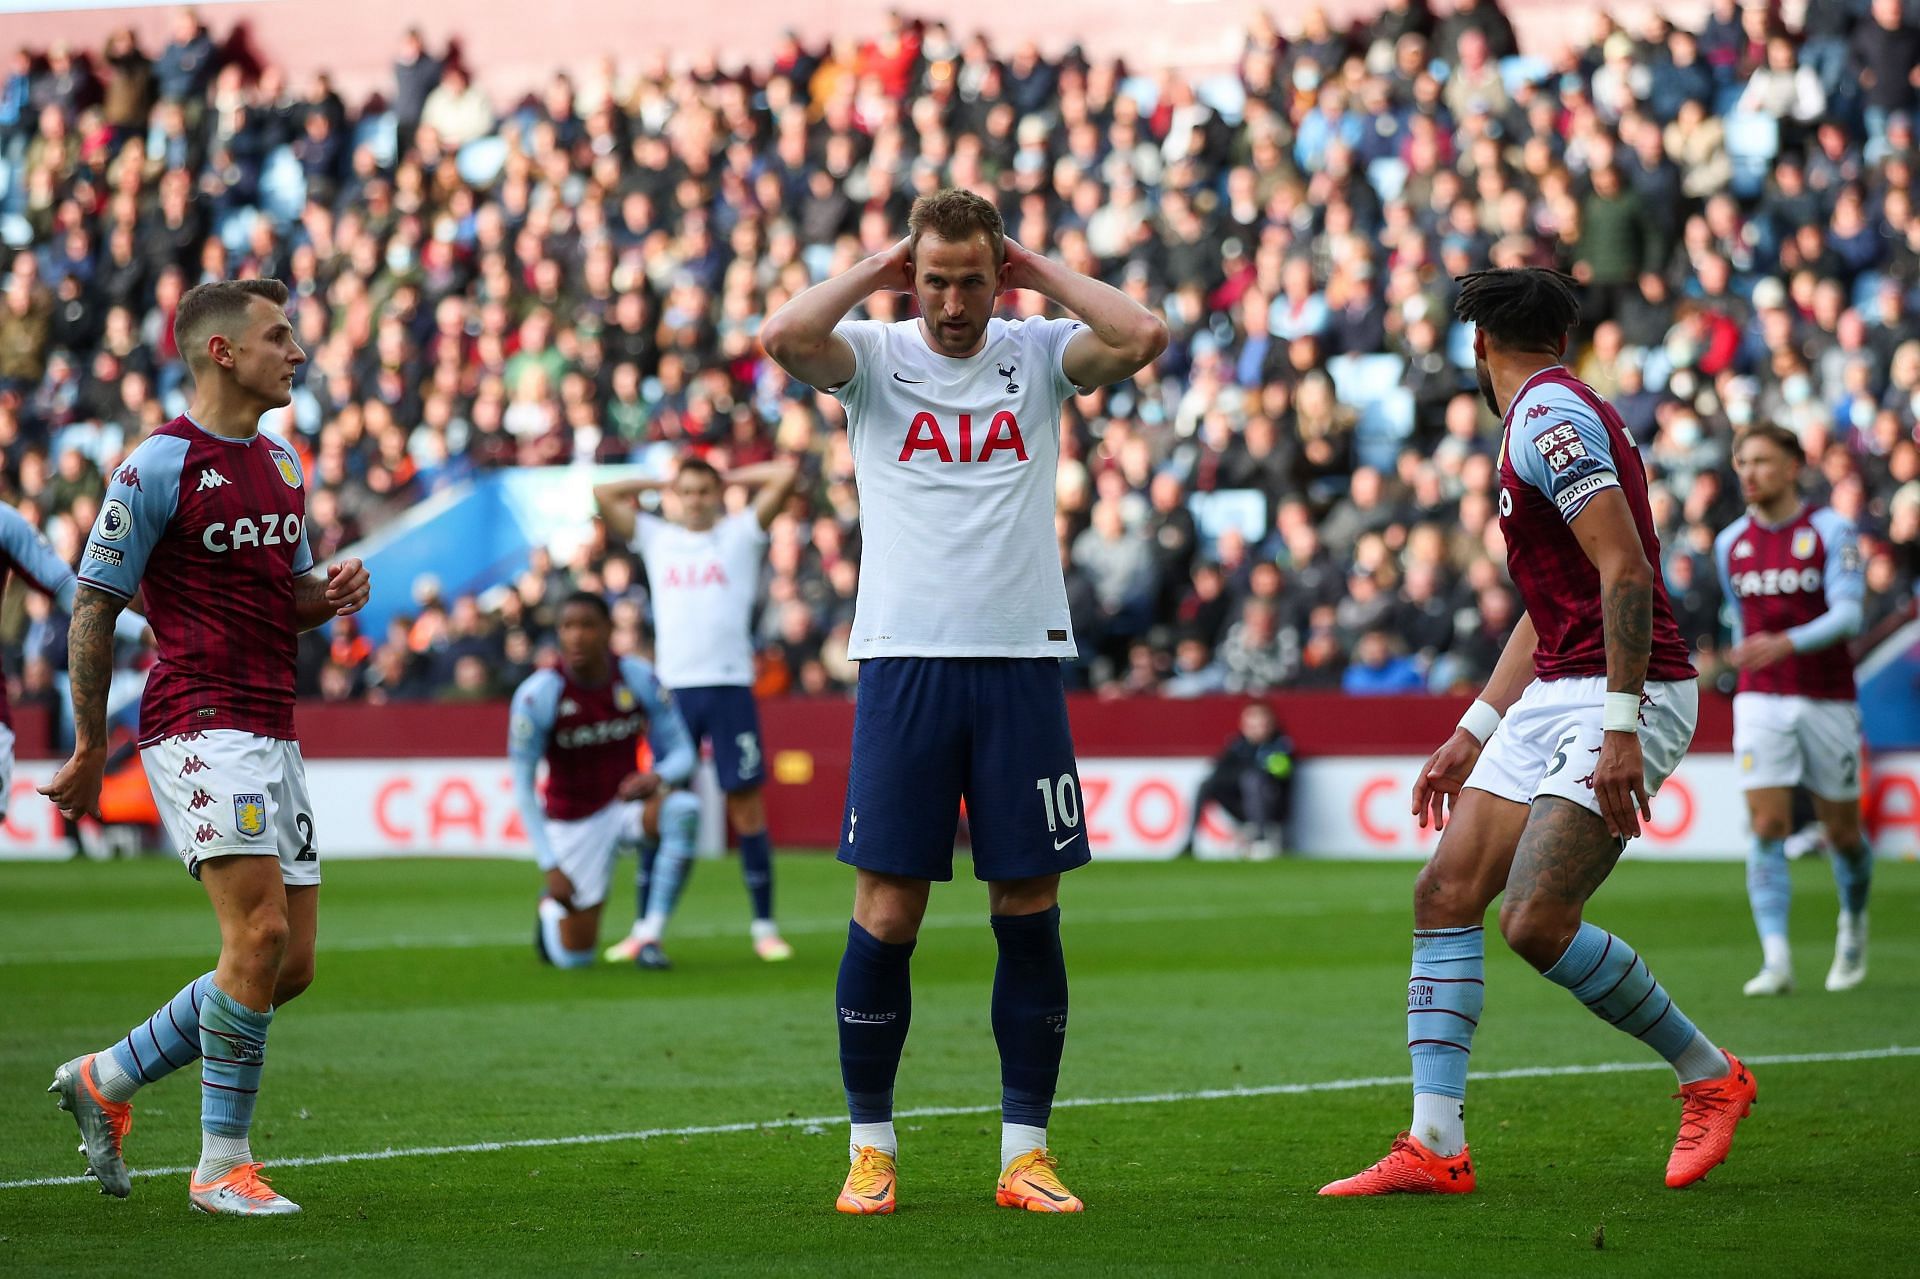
1803,543
288,471
250,814
623,699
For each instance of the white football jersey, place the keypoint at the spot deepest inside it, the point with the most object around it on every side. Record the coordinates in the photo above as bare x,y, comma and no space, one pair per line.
703,587
955,461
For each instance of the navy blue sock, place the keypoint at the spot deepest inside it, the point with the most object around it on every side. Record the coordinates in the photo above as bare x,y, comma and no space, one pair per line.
875,999
1029,1013
756,868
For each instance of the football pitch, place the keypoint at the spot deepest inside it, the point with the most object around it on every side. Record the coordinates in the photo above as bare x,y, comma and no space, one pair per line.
442,1104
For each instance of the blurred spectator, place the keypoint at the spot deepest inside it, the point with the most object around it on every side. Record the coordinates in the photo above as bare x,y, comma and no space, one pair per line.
1252,781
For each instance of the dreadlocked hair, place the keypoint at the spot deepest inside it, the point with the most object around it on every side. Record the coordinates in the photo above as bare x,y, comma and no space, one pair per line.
1524,308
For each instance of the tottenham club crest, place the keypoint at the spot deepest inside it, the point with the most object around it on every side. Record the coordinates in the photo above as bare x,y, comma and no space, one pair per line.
288,471
250,814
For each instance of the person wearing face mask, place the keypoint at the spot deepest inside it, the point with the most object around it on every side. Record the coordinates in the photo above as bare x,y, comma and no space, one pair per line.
1793,575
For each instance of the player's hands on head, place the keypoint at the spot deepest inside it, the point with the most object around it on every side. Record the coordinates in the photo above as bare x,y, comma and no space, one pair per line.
1021,266
348,585
1762,650
1620,785
639,786
75,789
898,276
1442,777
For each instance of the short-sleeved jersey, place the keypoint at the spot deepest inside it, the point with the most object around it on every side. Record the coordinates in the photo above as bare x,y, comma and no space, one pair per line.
24,551
589,734
703,586
1562,444
214,530
955,461
1785,577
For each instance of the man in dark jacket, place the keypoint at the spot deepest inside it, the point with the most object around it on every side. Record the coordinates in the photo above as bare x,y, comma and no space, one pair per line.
1252,779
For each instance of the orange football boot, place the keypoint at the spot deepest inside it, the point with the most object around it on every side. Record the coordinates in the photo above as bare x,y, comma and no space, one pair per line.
870,1184
1410,1169
1709,1112
1032,1181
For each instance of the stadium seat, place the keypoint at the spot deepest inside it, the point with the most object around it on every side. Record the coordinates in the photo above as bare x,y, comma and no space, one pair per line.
1753,140
1361,381
1216,512
1383,429
283,185
481,160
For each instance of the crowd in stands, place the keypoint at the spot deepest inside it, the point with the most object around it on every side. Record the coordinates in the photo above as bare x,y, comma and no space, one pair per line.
1301,493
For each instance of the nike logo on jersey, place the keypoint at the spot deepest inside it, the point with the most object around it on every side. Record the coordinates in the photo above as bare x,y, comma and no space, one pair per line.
1059,844
910,381
211,479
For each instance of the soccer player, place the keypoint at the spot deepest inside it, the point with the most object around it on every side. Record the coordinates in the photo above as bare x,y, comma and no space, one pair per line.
703,571
24,551
206,519
1599,700
960,625
1793,574
583,720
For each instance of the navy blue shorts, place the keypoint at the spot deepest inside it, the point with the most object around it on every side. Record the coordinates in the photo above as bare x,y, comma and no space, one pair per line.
725,716
929,731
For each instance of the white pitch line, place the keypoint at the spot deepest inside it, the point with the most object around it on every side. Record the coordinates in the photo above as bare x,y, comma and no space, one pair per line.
707,932
943,1112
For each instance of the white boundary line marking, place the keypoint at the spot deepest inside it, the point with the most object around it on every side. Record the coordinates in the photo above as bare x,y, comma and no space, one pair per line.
941,1112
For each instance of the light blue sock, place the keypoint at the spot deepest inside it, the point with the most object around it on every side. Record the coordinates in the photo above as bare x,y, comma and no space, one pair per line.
679,828
166,1041
1606,975
553,950
1770,887
1444,997
1853,875
233,1048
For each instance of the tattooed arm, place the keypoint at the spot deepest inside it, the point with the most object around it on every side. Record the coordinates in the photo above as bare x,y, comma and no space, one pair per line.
318,599
76,790
1607,534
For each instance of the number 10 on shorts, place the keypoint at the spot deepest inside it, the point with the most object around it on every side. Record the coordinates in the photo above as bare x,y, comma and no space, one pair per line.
1062,799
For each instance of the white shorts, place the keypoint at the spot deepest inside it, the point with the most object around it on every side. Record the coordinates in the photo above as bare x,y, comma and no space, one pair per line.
6,769
584,850
1550,739
225,793
1786,740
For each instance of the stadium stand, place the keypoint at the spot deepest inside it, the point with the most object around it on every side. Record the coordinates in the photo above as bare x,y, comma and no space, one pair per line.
578,277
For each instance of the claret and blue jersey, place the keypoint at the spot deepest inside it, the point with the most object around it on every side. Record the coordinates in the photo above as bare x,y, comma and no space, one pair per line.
1802,579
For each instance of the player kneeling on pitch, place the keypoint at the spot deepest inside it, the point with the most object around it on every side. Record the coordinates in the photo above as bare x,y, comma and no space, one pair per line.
585,720
206,522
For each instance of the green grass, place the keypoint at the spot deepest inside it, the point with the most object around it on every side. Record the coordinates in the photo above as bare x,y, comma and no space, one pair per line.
432,1025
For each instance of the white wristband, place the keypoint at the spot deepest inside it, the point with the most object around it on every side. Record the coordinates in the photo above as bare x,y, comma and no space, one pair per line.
1622,713
1480,720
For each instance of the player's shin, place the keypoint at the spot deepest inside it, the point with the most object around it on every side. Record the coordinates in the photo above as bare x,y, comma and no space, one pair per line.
1445,994
756,868
679,828
233,1046
874,998
157,1047
1029,1025
1770,893
553,945
1615,984
1853,876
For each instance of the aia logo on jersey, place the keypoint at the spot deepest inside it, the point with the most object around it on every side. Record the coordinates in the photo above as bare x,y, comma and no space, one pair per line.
128,477
694,575
927,435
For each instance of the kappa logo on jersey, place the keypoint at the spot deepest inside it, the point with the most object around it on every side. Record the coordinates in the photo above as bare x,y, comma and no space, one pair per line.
194,764
211,479
569,707
1804,542
250,813
206,833
128,477
1741,549
116,521
191,735
1560,445
271,530
284,462
199,801
1538,411
927,435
